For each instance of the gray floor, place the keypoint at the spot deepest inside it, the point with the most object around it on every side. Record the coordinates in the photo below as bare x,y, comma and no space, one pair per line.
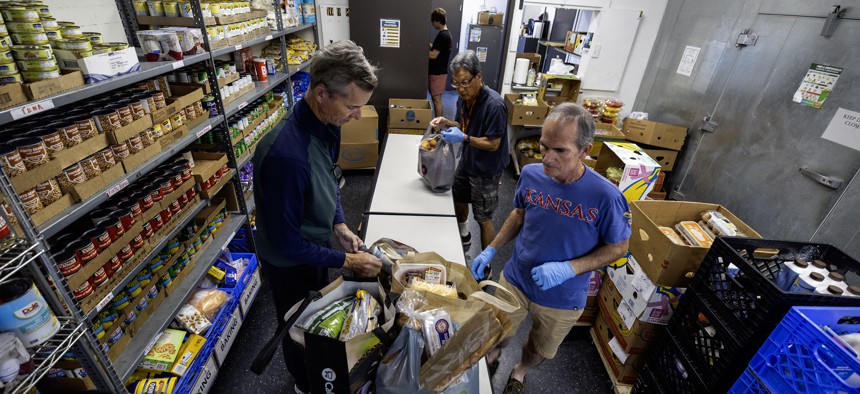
576,369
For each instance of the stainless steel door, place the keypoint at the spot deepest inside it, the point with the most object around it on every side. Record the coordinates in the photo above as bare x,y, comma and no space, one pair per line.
751,163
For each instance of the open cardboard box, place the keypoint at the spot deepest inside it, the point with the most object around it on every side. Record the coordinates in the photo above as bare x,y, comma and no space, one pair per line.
487,18
83,191
98,68
666,157
655,133
624,371
358,155
666,263
134,128
12,94
207,215
642,299
635,339
207,164
52,210
61,160
605,132
134,161
212,191
521,114
361,131
175,135
409,114
640,171
569,84
50,87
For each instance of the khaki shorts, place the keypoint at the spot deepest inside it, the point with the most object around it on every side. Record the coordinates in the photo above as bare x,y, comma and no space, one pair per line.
549,325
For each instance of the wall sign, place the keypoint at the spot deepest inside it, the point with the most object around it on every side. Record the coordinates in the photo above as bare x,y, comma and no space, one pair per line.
688,60
817,85
844,129
389,33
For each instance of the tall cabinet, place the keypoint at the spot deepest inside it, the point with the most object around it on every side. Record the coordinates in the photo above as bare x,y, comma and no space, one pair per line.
28,250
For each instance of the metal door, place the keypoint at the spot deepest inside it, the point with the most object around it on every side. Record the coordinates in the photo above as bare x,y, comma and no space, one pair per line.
751,164
489,50
454,16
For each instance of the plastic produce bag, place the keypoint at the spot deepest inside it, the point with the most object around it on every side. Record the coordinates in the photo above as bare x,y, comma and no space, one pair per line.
398,372
209,302
437,161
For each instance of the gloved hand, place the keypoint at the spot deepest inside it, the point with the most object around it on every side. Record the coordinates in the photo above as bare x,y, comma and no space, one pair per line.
453,135
552,274
482,261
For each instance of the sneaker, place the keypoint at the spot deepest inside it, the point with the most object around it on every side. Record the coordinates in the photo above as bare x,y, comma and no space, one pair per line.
467,240
514,387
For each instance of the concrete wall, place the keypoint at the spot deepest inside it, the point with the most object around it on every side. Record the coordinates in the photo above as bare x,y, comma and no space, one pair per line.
91,15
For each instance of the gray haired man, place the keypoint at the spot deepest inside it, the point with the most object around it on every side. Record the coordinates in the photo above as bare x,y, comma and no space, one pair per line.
483,118
296,188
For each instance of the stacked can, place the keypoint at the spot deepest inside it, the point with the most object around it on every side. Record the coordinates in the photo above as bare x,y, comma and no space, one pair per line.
24,52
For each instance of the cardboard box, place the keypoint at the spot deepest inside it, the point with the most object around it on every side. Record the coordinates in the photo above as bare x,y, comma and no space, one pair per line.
52,210
639,170
118,346
665,157
605,132
212,191
134,161
409,114
354,156
184,96
87,189
666,263
162,355
488,18
621,367
101,67
407,131
35,176
655,133
12,94
69,156
176,135
162,114
131,130
589,312
207,214
522,115
633,339
534,59
641,298
207,164
50,87
189,351
569,84
364,130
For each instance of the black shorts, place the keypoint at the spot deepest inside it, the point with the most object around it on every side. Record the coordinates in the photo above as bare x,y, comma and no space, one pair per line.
482,193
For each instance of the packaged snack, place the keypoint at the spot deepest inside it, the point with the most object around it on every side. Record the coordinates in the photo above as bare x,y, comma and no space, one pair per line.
187,353
362,318
694,234
192,320
155,386
209,302
328,321
721,225
673,236
161,356
443,290
430,273
437,329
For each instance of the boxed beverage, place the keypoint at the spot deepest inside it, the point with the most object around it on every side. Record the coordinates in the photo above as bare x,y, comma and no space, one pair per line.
665,262
362,130
655,133
488,18
639,171
643,299
633,339
358,155
98,68
569,85
409,114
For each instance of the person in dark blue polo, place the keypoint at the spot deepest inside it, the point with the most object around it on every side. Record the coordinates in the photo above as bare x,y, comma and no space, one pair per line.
296,186
481,125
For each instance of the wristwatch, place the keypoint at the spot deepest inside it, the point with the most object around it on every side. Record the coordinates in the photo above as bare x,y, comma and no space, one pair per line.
467,140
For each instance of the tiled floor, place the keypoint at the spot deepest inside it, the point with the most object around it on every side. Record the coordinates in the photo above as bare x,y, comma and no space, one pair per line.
576,369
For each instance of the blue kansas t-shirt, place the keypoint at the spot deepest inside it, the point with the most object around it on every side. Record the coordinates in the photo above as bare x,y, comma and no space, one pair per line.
563,221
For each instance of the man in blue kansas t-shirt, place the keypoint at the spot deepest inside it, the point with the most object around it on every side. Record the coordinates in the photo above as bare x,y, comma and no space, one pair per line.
568,220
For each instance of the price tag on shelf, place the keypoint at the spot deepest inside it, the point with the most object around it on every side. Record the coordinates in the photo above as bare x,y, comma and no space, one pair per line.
238,47
116,188
269,37
204,131
151,344
178,64
103,303
227,242
243,105
32,108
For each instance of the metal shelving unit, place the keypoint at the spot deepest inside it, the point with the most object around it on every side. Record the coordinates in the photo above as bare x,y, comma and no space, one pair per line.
29,252
145,338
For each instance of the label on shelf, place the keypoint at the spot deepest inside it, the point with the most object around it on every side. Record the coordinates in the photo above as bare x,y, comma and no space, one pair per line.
238,47
243,105
250,293
228,336
32,108
206,377
116,188
269,37
103,303
227,242
204,131
178,64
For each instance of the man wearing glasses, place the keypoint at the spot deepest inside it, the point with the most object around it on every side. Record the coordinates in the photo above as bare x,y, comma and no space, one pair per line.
296,186
481,125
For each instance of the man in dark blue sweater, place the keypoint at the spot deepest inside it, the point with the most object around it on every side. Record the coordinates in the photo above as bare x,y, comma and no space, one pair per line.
296,186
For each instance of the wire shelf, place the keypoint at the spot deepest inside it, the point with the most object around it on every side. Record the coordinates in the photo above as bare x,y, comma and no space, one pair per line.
15,258
48,353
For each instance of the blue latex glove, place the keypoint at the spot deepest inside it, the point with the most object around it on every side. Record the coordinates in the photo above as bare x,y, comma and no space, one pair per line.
482,261
552,274
453,135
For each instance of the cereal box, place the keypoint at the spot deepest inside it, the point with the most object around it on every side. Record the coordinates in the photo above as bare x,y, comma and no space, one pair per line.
162,355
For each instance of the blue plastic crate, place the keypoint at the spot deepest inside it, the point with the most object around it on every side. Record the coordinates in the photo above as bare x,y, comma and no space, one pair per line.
801,356
246,274
749,383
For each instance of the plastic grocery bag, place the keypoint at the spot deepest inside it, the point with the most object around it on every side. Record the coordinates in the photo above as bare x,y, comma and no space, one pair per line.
437,161
399,369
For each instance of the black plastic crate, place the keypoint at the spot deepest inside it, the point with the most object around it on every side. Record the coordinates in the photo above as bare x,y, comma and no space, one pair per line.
711,347
647,383
749,303
672,370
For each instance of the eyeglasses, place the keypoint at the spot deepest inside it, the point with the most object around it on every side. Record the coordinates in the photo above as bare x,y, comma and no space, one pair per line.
456,85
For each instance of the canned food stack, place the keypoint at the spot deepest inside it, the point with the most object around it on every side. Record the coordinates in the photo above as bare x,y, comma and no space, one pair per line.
235,89
173,9
24,54
220,34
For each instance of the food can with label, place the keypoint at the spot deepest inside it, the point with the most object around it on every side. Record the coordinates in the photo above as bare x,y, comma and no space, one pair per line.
141,8
37,65
49,24
70,31
94,37
31,52
171,9
8,69
30,38
25,27
36,76
100,49
75,44
15,13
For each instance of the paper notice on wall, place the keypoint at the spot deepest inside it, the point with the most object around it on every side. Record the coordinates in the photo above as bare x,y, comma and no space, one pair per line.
482,54
389,33
688,60
844,129
817,85
475,35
